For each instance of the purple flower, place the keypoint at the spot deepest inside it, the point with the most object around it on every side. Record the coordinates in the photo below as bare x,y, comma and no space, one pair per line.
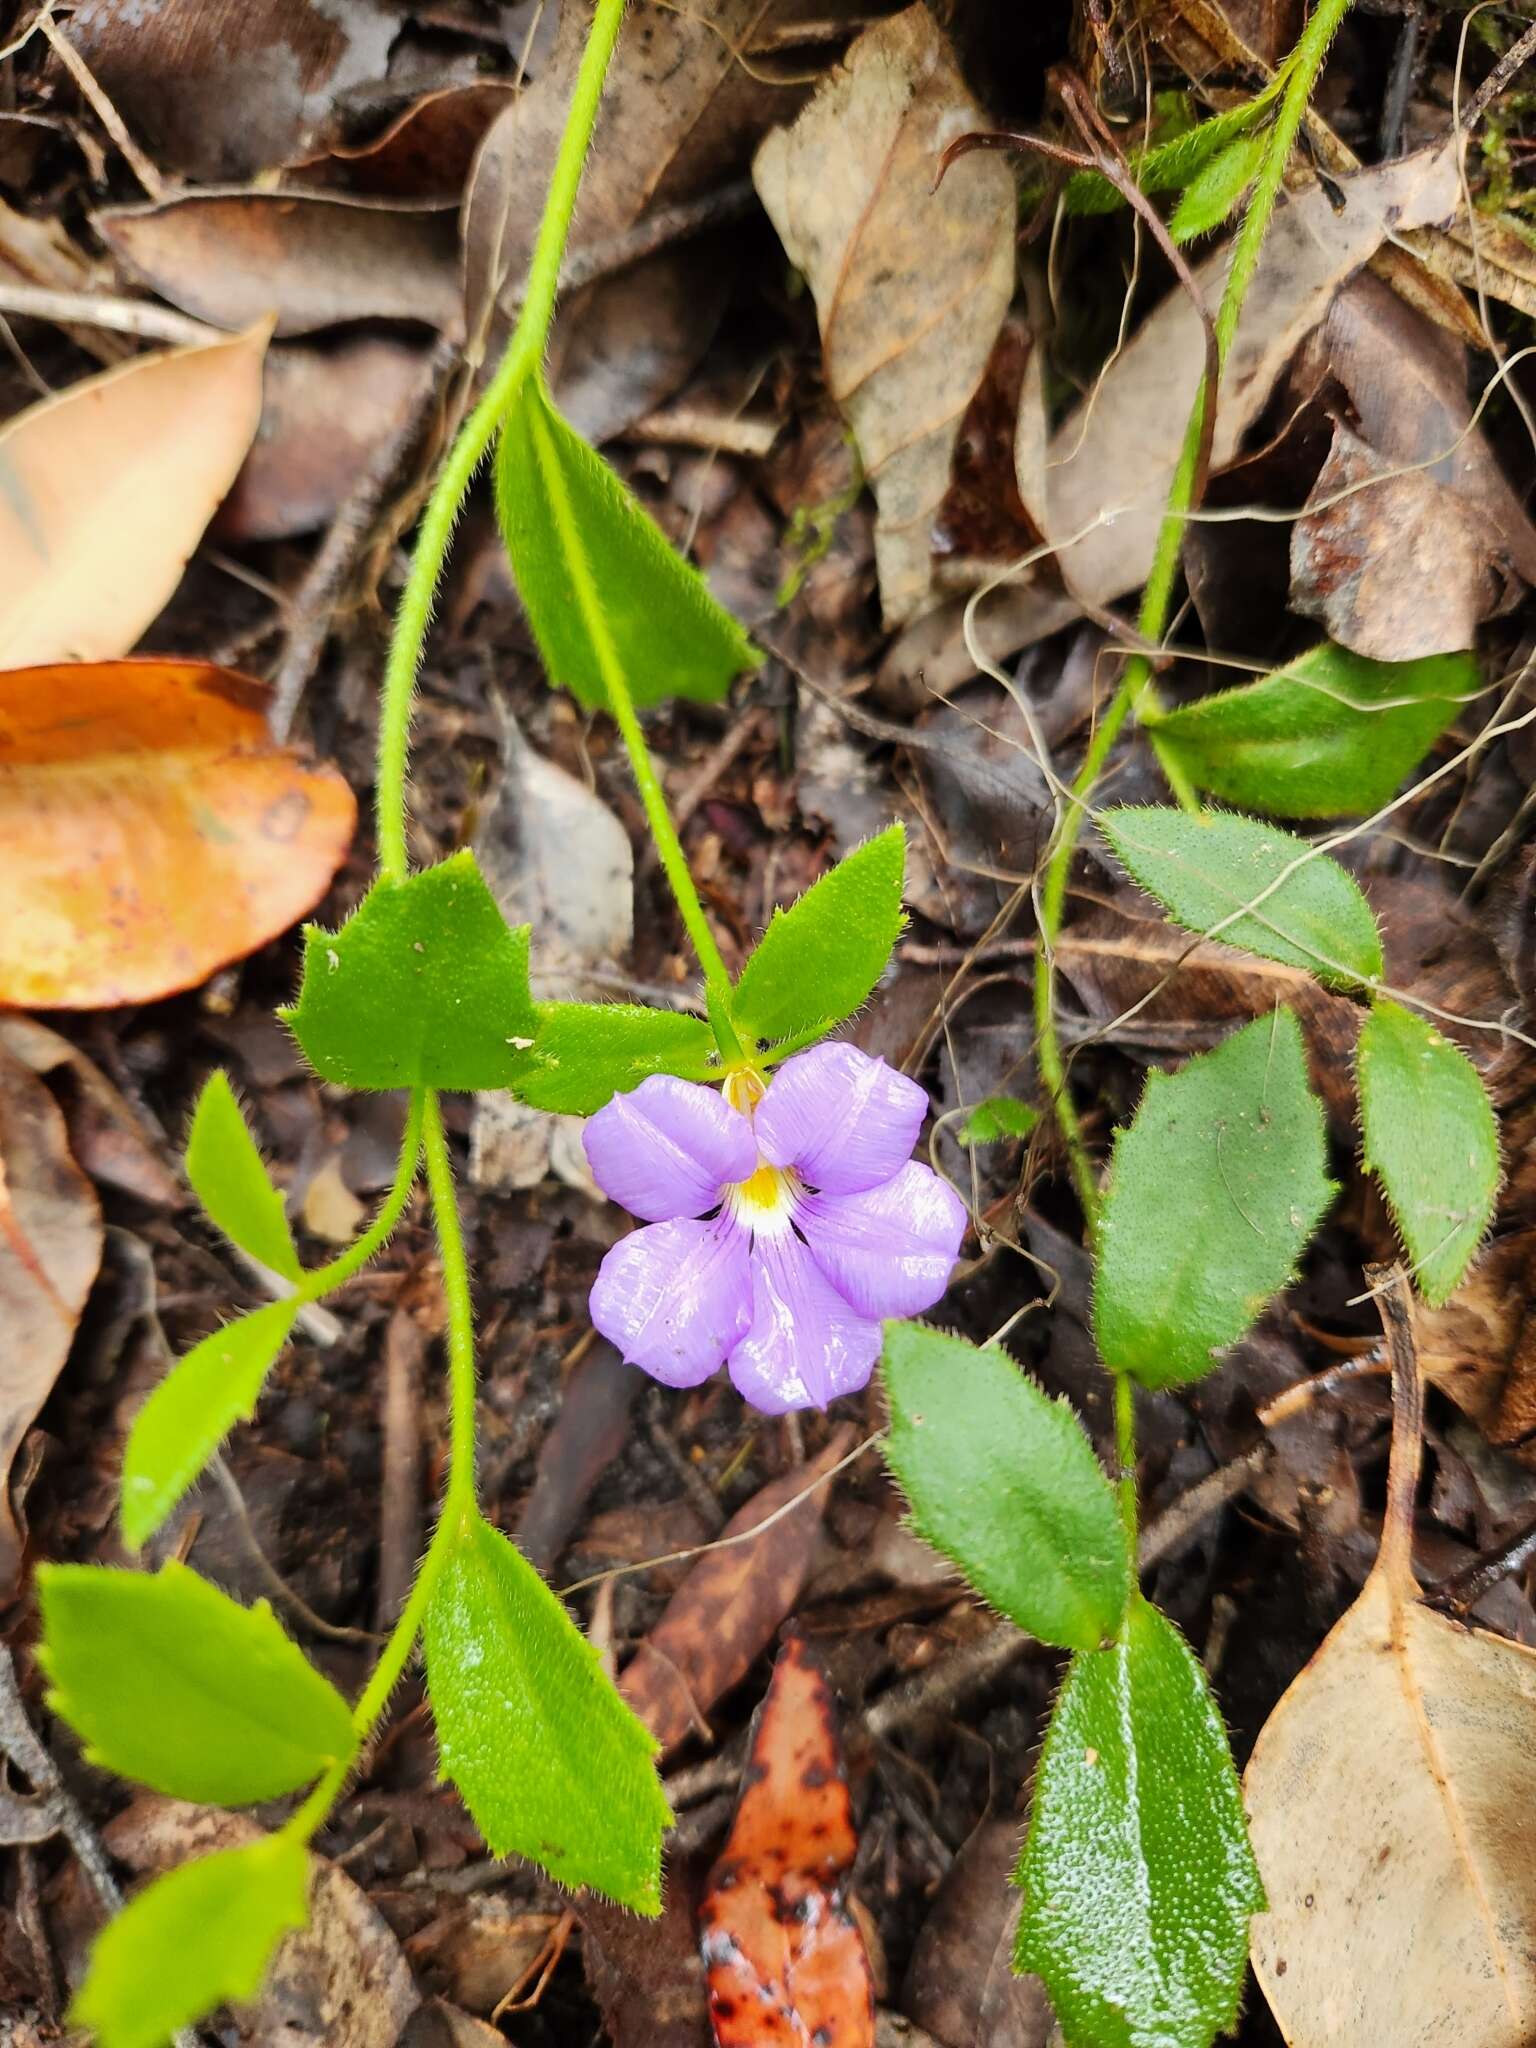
782,1225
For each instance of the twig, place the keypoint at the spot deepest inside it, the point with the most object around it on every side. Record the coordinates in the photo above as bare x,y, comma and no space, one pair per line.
141,166
1460,1593
400,1481
271,1577
127,316
1518,54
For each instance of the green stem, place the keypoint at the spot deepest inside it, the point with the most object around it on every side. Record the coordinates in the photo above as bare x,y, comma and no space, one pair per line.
461,1315
589,601
1125,1461
459,1494
326,1279
524,352
1137,691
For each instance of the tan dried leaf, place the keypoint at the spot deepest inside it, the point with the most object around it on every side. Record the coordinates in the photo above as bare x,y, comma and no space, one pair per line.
1389,1796
105,491
911,285
50,1249
1113,458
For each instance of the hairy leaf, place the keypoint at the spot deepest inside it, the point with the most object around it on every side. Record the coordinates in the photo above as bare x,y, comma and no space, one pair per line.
821,958
551,1763
1216,189
167,1680
1002,1479
1167,166
603,588
1217,1184
1329,733
192,1410
1137,1876
231,1181
199,1937
585,1053
1252,886
999,1116
425,984
1432,1140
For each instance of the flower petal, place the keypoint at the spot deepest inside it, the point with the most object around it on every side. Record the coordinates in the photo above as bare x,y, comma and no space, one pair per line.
806,1346
675,1297
844,1121
667,1148
889,1251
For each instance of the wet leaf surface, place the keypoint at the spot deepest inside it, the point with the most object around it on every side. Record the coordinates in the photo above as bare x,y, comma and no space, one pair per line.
785,1959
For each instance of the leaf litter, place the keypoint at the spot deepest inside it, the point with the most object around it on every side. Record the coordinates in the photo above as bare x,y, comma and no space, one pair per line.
400,122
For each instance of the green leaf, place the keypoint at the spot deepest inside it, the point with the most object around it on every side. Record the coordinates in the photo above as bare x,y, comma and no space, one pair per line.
231,1181
1432,1140
1137,1875
1002,1479
551,1763
999,1116
820,959
1205,870
425,985
1328,734
600,582
199,1937
167,1680
585,1053
1217,187
191,1412
1216,1186
1171,165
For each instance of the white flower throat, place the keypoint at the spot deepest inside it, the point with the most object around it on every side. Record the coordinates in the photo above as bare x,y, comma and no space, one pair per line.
764,1202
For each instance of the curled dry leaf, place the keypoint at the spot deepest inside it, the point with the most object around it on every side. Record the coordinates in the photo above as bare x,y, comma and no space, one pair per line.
911,285
83,570
426,153
50,1249
152,831
1389,1796
221,89
340,1981
724,1614
784,1955
305,259
1112,459
1410,498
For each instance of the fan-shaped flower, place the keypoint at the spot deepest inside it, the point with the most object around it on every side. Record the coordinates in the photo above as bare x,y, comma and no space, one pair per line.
783,1223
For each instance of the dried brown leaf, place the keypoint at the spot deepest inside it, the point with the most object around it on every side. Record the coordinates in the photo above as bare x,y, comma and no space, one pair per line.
1388,1796
50,1250
911,285
724,1615
961,1986
1113,458
309,260
83,569
222,89
340,1982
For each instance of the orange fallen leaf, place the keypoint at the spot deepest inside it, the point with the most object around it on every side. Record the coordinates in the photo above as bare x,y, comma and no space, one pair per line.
105,491
152,831
784,1956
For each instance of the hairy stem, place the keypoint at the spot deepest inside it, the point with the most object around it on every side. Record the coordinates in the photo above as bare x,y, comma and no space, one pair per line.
336,1272
458,1495
1136,690
589,602
524,352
